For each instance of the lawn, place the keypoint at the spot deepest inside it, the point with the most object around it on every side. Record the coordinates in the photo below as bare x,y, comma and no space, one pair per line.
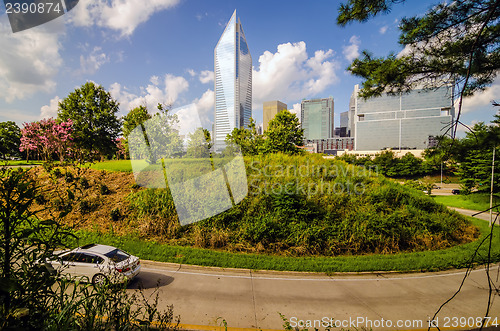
115,165
20,162
473,201
454,257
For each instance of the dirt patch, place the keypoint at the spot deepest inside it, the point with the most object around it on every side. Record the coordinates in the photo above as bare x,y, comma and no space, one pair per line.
86,198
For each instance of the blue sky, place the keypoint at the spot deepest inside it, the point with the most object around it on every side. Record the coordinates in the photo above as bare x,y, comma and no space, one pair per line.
145,52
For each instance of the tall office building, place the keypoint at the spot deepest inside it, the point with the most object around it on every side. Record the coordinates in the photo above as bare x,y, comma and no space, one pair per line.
271,109
344,125
351,123
405,121
233,82
317,118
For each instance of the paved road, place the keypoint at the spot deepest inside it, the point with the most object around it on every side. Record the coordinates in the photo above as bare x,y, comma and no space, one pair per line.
445,189
247,299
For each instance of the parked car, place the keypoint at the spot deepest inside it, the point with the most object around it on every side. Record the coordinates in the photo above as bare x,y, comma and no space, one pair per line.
455,191
96,263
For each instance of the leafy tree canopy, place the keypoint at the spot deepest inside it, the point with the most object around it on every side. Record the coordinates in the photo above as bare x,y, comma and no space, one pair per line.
284,134
156,138
135,117
198,144
10,139
93,113
250,142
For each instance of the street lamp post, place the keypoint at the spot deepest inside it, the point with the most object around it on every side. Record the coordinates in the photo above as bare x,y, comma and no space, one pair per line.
491,189
441,173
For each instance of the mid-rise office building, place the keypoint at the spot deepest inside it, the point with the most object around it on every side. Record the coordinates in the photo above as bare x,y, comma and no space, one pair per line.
233,82
405,121
331,146
271,109
317,118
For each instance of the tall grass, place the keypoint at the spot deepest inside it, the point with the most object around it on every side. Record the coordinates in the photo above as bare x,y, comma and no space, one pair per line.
305,205
454,257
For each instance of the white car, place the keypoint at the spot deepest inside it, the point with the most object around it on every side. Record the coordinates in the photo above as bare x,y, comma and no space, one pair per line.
97,263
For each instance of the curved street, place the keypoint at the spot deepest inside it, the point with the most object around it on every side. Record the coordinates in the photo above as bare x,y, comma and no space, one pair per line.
246,299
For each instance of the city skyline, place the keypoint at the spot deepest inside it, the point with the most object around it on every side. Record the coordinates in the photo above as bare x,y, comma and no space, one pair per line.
163,52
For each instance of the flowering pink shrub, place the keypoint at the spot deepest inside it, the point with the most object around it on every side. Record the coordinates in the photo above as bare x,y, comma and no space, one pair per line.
121,152
47,137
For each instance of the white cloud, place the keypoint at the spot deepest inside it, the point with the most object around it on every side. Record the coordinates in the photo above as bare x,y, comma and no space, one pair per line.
205,107
120,15
191,72
351,51
197,114
383,29
151,95
29,60
206,76
174,85
51,109
296,110
480,100
155,80
291,74
92,63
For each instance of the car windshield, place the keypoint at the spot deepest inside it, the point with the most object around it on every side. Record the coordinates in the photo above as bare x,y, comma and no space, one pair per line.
117,255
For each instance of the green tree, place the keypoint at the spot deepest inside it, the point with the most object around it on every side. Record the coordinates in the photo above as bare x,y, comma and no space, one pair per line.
208,138
474,155
136,116
95,124
284,134
198,144
249,141
409,166
10,139
386,163
455,41
156,138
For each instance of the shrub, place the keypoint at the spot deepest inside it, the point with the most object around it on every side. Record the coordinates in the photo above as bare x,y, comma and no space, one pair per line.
115,214
103,188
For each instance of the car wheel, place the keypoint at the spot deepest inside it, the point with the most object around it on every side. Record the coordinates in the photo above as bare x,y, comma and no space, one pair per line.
99,280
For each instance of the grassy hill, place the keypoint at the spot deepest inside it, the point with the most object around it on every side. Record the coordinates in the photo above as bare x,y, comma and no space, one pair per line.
296,206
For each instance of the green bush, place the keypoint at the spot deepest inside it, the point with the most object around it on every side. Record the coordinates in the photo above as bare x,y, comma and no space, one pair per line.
104,189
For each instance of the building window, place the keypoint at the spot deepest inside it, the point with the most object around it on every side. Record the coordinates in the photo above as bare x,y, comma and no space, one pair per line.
445,111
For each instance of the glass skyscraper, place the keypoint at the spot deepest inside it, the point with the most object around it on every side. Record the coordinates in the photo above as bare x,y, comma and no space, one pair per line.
317,118
405,121
233,82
